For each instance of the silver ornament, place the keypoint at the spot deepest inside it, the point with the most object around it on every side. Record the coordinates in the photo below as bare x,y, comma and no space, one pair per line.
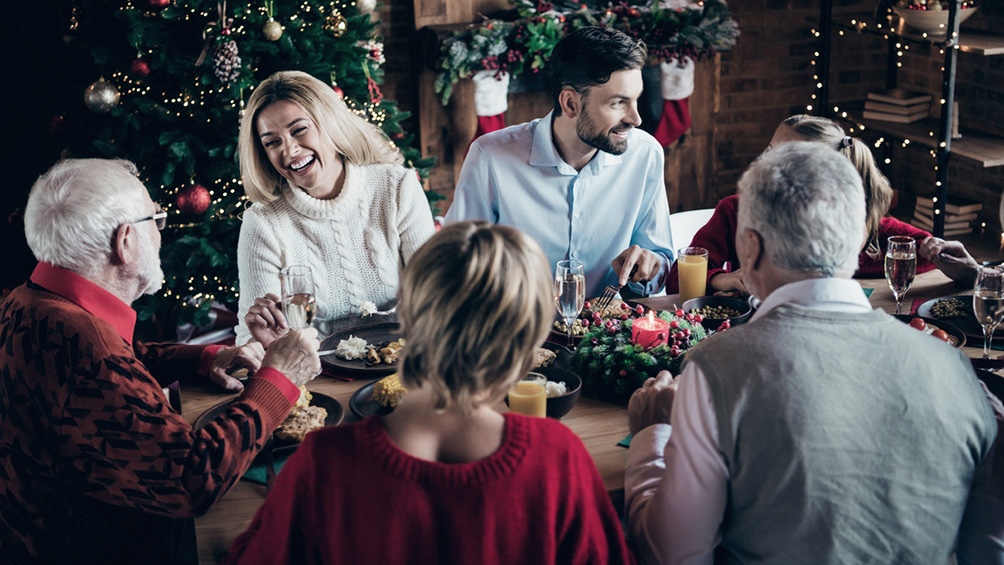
101,96
272,30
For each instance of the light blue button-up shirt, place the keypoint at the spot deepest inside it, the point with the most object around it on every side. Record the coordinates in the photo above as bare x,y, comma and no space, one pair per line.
515,177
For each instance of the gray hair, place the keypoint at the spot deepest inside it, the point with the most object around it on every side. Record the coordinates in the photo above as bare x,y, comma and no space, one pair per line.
76,206
807,203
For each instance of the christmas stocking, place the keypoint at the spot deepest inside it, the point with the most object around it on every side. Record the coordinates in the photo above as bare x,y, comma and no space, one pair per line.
677,85
490,100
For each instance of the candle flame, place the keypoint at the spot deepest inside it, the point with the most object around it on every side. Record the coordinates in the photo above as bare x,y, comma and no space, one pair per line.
651,317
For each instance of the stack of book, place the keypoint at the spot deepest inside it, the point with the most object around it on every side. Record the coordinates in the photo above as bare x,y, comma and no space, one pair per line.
897,105
959,215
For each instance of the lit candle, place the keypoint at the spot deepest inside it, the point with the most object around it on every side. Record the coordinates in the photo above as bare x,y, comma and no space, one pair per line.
649,332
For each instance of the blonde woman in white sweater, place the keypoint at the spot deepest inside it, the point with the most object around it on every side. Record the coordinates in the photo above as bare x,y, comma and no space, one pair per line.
328,191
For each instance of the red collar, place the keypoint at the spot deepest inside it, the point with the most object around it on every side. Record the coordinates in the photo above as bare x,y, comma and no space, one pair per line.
88,296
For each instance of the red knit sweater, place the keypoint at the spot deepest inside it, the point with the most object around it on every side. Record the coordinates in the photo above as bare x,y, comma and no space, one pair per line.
95,465
349,495
718,236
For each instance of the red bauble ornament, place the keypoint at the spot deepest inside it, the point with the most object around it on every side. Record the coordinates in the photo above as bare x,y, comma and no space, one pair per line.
338,90
194,199
159,3
140,68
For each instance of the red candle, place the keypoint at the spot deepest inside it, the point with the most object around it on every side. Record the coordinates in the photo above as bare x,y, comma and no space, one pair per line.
649,332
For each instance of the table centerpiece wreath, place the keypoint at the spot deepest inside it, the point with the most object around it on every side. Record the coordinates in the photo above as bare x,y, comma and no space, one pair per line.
613,362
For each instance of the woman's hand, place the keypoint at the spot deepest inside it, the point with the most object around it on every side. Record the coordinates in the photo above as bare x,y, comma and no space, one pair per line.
729,281
265,320
951,257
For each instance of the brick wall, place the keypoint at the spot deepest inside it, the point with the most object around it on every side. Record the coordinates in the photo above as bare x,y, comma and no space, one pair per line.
768,76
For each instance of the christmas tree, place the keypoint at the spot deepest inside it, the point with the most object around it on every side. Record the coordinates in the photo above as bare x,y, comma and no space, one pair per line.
167,90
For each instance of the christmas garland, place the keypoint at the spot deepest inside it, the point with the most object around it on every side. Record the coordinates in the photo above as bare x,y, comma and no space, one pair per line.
524,45
612,366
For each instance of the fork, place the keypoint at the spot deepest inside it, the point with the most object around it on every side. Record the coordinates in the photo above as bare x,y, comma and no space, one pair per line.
611,291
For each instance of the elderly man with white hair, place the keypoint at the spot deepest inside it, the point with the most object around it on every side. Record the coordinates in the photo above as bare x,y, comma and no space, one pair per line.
820,432
96,466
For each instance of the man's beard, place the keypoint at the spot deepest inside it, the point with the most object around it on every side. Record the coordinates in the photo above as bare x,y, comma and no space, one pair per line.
587,131
151,277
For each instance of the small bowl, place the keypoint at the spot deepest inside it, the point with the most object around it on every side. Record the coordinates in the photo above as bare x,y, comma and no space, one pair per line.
558,406
737,304
931,22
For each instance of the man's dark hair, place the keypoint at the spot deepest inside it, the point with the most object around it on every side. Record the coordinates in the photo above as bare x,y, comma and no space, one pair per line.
588,56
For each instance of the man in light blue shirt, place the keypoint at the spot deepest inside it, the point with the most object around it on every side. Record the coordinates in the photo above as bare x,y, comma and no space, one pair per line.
582,181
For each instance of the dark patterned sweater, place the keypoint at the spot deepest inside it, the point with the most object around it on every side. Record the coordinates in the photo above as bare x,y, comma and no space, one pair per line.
95,465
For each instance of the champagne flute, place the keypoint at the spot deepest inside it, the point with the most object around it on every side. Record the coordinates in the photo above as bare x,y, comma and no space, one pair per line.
900,266
988,302
569,292
298,300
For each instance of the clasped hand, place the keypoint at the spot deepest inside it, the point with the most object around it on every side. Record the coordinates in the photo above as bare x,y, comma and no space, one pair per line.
635,264
265,319
652,403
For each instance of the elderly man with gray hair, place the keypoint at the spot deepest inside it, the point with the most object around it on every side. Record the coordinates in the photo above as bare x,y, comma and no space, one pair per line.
820,432
96,466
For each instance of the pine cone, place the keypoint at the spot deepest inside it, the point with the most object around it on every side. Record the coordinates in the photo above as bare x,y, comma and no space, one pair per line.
226,61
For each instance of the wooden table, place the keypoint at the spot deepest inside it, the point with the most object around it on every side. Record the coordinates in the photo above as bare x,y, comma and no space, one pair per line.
598,424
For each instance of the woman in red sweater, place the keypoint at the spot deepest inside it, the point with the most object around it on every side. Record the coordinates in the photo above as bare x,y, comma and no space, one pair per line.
718,235
445,478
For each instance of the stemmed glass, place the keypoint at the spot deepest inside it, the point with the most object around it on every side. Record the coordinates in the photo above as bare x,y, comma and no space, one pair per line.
298,300
900,266
569,292
988,302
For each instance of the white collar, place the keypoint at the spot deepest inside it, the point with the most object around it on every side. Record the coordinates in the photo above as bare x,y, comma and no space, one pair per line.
832,294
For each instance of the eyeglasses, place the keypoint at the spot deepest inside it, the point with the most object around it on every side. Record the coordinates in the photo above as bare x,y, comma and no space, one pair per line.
160,217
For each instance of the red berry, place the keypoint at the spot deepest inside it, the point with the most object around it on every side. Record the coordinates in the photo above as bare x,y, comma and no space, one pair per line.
674,350
674,324
588,305
640,309
624,306
679,312
624,316
585,323
698,318
623,373
686,332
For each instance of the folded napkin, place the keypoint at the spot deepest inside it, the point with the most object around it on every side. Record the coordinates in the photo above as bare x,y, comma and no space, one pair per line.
257,472
626,442
868,291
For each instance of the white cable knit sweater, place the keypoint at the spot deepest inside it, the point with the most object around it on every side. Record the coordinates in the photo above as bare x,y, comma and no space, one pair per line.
356,244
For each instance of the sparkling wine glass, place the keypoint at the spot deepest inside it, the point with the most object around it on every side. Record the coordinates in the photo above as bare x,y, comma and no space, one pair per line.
988,302
298,300
900,266
569,292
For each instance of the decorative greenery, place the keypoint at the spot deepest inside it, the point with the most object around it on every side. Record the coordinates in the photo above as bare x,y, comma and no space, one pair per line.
693,31
178,120
612,367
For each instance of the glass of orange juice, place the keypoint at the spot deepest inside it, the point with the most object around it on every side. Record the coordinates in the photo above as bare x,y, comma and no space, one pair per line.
528,397
692,264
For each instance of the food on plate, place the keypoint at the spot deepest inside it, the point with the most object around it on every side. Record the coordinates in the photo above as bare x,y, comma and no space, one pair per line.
388,391
553,388
303,418
589,316
385,354
933,330
716,312
544,357
352,348
947,308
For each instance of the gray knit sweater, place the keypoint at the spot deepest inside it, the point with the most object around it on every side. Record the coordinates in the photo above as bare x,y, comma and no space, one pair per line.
849,438
356,244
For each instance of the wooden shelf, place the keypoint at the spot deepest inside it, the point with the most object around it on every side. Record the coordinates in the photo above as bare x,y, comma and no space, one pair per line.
971,41
986,150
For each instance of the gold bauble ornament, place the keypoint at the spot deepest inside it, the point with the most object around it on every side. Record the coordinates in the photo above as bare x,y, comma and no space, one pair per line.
335,24
101,96
272,30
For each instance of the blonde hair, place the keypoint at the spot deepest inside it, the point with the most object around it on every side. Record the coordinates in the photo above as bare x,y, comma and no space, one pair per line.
878,191
475,303
348,134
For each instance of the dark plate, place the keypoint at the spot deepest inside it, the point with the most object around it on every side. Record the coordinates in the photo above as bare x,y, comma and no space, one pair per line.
372,333
967,323
334,408
362,405
949,328
361,402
